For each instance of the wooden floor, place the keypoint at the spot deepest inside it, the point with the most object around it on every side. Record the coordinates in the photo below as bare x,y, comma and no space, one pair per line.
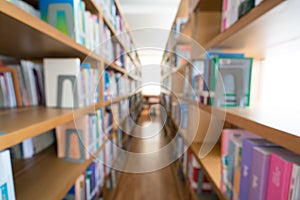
160,184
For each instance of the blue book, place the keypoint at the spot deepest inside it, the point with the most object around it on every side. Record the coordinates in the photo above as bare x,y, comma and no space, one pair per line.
208,64
247,151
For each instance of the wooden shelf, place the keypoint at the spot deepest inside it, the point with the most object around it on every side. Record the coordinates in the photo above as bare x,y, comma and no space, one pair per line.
207,5
278,125
47,177
211,165
30,37
20,124
254,33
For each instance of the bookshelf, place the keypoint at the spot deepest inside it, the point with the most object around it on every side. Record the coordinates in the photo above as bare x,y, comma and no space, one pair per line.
29,37
56,175
253,35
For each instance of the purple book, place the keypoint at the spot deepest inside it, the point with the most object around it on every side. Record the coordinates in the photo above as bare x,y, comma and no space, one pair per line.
247,151
260,171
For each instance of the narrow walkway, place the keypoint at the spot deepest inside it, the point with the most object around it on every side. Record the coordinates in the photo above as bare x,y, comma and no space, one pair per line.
157,185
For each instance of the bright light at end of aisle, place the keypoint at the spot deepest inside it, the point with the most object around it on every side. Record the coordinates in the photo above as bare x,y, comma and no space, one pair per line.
151,76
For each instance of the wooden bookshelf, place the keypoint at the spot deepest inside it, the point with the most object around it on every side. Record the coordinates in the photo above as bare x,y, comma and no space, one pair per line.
30,37
278,125
20,124
47,177
211,164
39,39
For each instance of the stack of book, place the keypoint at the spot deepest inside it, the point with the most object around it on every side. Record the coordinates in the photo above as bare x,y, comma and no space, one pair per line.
254,168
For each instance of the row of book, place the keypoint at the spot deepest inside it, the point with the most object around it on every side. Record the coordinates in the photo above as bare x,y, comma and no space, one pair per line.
222,79
72,18
32,146
88,184
79,139
233,10
116,84
63,83
180,114
255,168
190,170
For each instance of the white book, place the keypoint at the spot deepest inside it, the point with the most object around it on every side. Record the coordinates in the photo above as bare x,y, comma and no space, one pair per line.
27,69
10,84
28,149
294,193
55,68
7,191
4,91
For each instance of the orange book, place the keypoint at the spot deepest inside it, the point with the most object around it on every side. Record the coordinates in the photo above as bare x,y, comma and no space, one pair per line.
14,74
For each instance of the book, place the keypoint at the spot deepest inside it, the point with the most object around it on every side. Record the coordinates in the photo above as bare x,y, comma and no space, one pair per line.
7,190
28,148
43,141
246,163
61,79
259,174
234,74
12,76
77,191
29,79
228,157
280,171
294,192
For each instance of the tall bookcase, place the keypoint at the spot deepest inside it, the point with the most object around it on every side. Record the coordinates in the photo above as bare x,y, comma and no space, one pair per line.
25,36
256,34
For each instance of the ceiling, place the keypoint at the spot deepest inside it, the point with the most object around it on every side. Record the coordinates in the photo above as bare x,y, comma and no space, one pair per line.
158,14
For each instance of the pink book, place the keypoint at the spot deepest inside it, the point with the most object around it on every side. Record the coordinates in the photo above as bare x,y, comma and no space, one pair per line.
281,166
80,124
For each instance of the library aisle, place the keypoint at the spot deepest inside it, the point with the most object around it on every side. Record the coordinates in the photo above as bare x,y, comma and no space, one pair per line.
160,184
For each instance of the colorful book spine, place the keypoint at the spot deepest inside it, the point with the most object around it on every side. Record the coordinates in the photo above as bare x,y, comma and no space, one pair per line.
246,163
280,171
